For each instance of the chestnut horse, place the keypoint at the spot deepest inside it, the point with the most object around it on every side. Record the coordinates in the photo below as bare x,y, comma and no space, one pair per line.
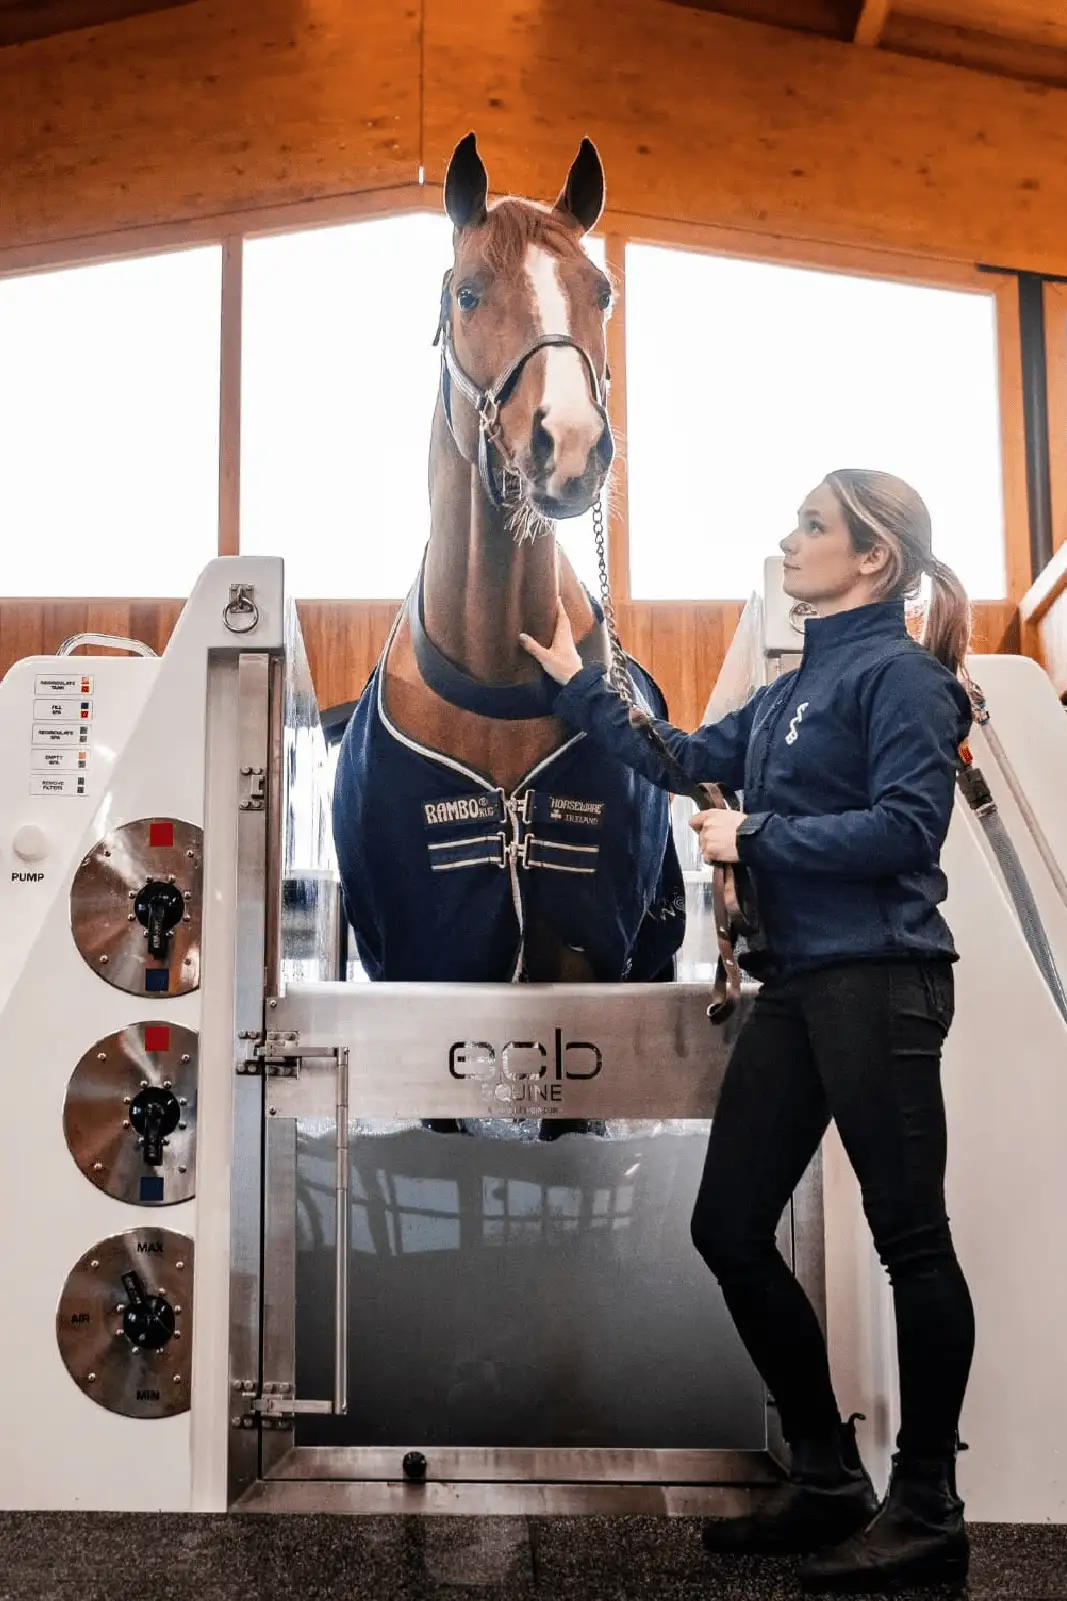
478,837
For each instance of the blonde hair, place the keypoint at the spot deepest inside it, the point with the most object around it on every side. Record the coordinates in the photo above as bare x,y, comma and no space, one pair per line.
882,510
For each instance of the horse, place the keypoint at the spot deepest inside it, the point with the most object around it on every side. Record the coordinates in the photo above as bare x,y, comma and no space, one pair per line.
478,838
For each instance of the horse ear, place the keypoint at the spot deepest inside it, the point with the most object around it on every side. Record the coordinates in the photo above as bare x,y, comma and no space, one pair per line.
466,185
582,197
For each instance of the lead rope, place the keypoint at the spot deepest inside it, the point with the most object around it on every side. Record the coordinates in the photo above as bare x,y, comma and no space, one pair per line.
733,905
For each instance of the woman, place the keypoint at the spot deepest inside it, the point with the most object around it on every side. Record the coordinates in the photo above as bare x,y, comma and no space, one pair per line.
847,769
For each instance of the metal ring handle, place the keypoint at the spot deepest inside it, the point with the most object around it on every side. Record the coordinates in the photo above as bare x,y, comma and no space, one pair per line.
112,641
241,614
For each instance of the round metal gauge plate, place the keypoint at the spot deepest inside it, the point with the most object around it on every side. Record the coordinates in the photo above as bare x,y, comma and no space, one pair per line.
135,907
124,1323
129,1117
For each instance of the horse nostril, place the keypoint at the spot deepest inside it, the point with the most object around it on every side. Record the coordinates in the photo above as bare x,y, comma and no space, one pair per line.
605,448
540,442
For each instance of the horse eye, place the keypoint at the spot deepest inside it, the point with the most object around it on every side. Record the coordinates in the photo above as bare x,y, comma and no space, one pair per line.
603,298
467,298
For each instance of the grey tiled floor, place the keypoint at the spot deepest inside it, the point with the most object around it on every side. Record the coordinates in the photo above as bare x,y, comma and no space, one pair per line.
110,1557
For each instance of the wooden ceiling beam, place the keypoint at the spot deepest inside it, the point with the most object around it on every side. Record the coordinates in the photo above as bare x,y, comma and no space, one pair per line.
870,24
24,20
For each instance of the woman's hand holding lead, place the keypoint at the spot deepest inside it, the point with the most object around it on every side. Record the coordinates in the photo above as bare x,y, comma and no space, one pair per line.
717,828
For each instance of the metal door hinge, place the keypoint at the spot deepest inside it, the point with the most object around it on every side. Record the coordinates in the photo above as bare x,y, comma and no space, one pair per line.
253,789
252,1064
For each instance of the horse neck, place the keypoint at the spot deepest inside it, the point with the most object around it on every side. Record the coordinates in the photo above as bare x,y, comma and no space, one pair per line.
480,588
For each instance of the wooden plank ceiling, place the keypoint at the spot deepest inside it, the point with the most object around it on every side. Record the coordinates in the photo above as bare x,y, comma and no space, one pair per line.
22,20
1025,39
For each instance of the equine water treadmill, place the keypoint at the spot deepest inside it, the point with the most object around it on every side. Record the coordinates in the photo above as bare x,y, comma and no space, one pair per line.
288,1240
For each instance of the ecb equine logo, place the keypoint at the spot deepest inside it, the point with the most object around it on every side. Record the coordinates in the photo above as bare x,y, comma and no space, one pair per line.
525,1072
794,721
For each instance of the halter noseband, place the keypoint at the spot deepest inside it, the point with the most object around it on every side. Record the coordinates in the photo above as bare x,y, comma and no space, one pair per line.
504,488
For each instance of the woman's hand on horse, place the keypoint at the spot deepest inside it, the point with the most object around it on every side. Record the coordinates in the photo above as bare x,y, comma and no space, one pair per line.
718,833
560,659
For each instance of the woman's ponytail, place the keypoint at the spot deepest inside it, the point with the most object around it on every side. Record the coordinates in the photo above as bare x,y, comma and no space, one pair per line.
947,624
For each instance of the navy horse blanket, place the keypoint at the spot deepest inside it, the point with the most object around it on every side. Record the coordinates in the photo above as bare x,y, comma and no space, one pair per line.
442,872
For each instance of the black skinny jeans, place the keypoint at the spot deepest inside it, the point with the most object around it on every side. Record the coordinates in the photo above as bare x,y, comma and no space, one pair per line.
859,1042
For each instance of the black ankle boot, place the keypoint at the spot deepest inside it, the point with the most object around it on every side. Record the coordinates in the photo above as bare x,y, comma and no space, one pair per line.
827,1496
917,1538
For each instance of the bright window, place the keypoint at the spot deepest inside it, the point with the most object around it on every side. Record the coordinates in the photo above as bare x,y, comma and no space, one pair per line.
339,385
747,382
109,416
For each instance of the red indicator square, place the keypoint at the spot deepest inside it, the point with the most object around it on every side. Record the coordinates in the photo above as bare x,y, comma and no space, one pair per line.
156,1037
161,834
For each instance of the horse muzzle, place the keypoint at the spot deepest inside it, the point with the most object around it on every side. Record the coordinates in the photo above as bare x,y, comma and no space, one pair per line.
560,497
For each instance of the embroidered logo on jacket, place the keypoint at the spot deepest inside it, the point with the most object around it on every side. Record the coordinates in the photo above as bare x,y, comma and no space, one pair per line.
463,809
561,809
794,722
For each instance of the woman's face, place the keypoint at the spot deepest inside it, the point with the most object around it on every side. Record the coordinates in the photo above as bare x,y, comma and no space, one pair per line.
822,566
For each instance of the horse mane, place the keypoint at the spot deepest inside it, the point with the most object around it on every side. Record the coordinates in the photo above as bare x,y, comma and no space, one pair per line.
511,225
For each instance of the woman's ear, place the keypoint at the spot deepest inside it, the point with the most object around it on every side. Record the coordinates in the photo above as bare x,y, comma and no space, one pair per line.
875,560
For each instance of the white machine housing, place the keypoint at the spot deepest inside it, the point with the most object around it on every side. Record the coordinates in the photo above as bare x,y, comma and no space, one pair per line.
164,743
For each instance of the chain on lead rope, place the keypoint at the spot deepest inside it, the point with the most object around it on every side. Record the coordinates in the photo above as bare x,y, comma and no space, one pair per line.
732,891
618,672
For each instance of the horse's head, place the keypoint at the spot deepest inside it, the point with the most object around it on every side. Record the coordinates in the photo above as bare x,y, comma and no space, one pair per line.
523,314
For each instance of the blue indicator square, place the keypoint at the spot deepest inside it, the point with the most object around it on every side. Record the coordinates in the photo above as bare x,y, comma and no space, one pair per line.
157,981
151,1188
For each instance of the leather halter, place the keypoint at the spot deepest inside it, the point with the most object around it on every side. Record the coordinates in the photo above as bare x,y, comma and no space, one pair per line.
503,486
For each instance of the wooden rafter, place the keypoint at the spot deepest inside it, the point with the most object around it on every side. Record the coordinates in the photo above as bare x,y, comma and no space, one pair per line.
870,24
23,20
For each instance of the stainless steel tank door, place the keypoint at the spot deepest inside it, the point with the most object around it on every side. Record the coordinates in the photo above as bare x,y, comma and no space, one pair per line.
129,1117
135,907
124,1323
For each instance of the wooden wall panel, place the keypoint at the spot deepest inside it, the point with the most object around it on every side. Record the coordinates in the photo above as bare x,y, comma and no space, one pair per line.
682,644
1052,644
344,640
213,107
704,117
995,629
39,627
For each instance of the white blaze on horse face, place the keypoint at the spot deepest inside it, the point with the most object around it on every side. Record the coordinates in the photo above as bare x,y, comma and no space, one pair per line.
571,418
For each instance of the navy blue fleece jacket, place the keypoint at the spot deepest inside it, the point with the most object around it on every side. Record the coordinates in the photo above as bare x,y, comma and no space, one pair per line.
847,767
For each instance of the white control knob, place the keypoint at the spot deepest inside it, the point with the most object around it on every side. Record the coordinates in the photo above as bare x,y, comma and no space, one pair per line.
31,842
